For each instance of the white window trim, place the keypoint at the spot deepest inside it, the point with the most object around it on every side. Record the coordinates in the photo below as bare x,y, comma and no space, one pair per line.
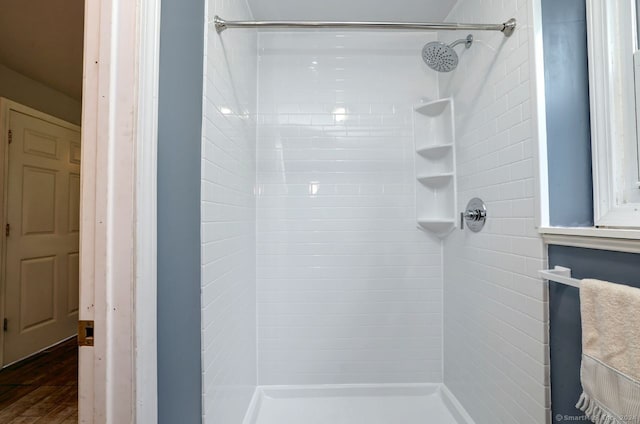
621,235
617,240
613,121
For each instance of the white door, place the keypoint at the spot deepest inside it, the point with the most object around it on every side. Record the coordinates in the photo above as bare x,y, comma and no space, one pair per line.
42,234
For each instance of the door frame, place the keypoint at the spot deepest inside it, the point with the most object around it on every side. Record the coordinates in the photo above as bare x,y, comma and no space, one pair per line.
6,106
118,375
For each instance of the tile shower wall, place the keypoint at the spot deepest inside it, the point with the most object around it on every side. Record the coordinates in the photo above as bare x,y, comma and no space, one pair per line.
349,291
228,218
495,338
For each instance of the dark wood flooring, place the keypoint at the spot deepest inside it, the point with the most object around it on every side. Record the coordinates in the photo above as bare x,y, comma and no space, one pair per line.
43,388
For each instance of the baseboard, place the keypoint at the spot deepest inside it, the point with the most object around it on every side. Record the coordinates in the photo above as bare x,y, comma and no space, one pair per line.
39,351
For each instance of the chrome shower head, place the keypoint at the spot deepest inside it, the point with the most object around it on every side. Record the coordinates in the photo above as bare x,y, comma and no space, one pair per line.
441,57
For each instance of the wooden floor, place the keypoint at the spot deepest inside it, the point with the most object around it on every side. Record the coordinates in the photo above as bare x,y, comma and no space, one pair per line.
43,388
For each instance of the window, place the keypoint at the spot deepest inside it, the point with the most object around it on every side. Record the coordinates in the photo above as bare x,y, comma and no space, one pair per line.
614,84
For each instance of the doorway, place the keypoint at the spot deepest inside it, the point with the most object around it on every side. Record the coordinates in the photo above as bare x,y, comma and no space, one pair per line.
41,79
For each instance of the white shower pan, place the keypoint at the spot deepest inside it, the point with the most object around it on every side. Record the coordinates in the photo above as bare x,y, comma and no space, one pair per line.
355,404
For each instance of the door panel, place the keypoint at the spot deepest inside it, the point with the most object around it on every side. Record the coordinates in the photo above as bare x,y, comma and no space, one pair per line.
40,144
74,153
43,202
73,282
38,200
37,287
74,203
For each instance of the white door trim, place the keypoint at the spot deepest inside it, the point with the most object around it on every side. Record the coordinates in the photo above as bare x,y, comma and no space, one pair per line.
146,216
118,230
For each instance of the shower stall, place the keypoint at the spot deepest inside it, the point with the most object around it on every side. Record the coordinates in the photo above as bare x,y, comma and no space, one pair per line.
339,281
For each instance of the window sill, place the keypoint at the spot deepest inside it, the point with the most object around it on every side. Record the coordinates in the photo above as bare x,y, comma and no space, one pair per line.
617,240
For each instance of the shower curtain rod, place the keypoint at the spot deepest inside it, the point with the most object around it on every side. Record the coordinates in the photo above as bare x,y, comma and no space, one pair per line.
507,28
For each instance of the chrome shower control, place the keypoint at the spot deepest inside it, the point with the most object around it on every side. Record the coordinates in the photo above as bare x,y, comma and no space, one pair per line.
475,215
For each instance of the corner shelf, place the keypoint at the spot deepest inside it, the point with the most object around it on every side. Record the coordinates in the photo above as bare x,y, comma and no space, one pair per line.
434,107
435,151
440,227
435,166
436,179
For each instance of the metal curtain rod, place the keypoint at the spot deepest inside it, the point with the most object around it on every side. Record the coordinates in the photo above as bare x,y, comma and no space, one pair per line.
507,28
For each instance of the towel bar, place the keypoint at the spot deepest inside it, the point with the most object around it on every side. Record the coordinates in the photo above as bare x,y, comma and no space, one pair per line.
561,275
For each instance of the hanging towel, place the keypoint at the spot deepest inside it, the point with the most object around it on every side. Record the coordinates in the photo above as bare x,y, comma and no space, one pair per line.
610,370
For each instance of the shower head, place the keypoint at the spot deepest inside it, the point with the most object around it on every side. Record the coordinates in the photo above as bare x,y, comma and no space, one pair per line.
441,57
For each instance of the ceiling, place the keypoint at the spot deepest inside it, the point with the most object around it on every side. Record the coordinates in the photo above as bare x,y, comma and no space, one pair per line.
42,39
350,10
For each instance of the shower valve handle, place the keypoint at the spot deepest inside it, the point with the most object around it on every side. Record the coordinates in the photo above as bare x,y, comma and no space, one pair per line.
475,215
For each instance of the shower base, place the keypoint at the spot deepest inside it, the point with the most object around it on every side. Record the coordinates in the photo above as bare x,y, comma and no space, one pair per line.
355,404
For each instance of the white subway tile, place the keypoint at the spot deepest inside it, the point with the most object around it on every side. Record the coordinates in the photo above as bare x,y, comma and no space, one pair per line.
345,280
228,221
495,314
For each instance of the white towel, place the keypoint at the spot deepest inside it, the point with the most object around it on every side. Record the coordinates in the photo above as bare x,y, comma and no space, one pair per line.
610,370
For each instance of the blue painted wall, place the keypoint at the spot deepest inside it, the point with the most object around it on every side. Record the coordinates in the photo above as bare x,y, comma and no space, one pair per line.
567,103
564,308
570,195
179,140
